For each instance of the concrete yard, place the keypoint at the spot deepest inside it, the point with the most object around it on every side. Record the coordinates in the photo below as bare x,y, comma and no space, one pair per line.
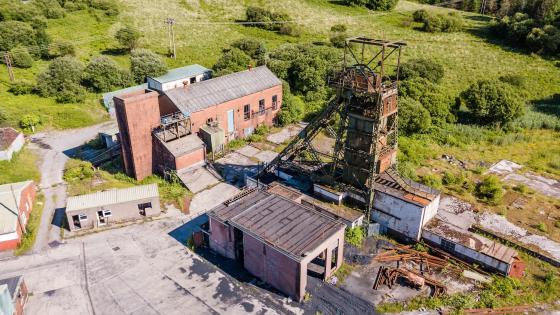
197,178
209,198
286,133
138,269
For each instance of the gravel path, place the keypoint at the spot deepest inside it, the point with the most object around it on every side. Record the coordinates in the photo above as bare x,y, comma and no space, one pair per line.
53,149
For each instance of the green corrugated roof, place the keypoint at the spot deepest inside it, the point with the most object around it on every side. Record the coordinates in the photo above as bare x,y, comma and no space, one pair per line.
181,73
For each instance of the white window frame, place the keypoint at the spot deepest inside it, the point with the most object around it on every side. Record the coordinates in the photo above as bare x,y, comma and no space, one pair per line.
107,213
82,217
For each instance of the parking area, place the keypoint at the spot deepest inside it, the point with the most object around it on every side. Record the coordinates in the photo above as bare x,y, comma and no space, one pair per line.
138,269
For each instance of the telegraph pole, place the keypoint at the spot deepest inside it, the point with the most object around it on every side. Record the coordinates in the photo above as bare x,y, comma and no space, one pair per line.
171,34
8,62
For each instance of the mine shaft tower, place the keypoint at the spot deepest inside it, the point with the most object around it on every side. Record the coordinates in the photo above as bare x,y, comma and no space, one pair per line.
366,133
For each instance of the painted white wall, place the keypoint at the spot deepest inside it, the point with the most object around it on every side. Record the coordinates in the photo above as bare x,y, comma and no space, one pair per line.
431,210
8,237
327,194
397,214
15,147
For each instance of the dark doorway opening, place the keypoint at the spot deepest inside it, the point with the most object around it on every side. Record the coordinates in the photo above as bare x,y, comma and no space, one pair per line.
238,245
316,268
76,221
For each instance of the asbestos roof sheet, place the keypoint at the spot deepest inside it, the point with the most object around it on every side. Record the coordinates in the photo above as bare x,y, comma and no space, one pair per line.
9,205
471,240
7,137
111,197
181,73
278,221
201,95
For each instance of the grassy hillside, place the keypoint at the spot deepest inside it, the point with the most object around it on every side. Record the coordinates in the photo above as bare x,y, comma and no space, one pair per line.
204,28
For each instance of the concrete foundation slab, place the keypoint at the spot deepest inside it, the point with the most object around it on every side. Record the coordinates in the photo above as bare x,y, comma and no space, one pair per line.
504,167
266,156
212,197
546,186
234,166
285,134
197,178
248,151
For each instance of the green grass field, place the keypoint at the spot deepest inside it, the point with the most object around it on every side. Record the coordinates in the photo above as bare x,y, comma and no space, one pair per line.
205,27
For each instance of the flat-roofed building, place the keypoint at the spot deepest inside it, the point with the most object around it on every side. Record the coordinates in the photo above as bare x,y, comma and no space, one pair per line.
16,204
277,239
112,206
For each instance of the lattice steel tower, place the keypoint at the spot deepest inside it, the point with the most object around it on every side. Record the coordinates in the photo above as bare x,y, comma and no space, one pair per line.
366,134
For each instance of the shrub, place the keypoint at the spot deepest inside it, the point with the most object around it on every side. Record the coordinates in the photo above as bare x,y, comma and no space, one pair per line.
431,180
449,178
232,60
51,9
289,29
144,62
21,87
338,40
21,57
292,111
103,74
420,15
542,227
354,236
435,23
16,33
29,121
252,47
128,37
338,28
490,189
514,80
266,19
493,102
423,68
378,5
78,170
62,80
61,48
413,117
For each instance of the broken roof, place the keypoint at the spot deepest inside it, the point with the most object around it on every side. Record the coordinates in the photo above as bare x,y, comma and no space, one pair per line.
111,197
201,95
183,145
391,182
284,224
10,198
7,137
471,240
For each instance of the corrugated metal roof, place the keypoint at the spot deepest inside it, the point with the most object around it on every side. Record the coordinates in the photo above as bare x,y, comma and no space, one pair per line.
471,240
291,227
111,197
181,73
391,182
201,95
8,219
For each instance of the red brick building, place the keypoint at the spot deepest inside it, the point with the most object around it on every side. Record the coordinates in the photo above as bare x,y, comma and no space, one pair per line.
157,128
16,204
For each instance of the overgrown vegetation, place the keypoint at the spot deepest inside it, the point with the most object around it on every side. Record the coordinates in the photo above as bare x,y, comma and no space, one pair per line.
32,227
438,22
378,5
354,236
22,166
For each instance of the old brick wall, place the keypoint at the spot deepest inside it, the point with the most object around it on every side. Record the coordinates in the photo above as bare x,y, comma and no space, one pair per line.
137,115
220,112
190,158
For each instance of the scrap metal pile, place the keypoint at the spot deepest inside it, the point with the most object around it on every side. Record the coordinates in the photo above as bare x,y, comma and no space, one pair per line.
424,262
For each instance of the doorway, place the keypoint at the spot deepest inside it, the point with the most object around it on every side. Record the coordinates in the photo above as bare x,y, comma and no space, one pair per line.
230,121
238,245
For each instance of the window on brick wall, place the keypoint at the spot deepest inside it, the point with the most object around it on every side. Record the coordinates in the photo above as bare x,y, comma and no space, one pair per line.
274,102
246,112
261,107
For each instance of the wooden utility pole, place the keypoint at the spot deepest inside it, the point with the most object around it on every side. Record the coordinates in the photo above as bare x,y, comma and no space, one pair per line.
8,62
171,34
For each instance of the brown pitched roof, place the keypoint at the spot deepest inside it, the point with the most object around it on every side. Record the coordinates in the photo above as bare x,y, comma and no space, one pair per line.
7,137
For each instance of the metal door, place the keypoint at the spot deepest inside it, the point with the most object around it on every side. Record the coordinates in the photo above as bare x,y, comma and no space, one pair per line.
230,122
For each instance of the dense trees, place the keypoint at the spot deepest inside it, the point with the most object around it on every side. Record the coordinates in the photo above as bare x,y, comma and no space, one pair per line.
423,68
493,102
232,60
144,62
252,47
62,80
438,22
15,33
21,58
272,21
103,74
413,117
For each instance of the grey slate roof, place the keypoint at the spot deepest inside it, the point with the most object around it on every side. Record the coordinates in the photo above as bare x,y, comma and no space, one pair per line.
204,94
111,197
181,73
